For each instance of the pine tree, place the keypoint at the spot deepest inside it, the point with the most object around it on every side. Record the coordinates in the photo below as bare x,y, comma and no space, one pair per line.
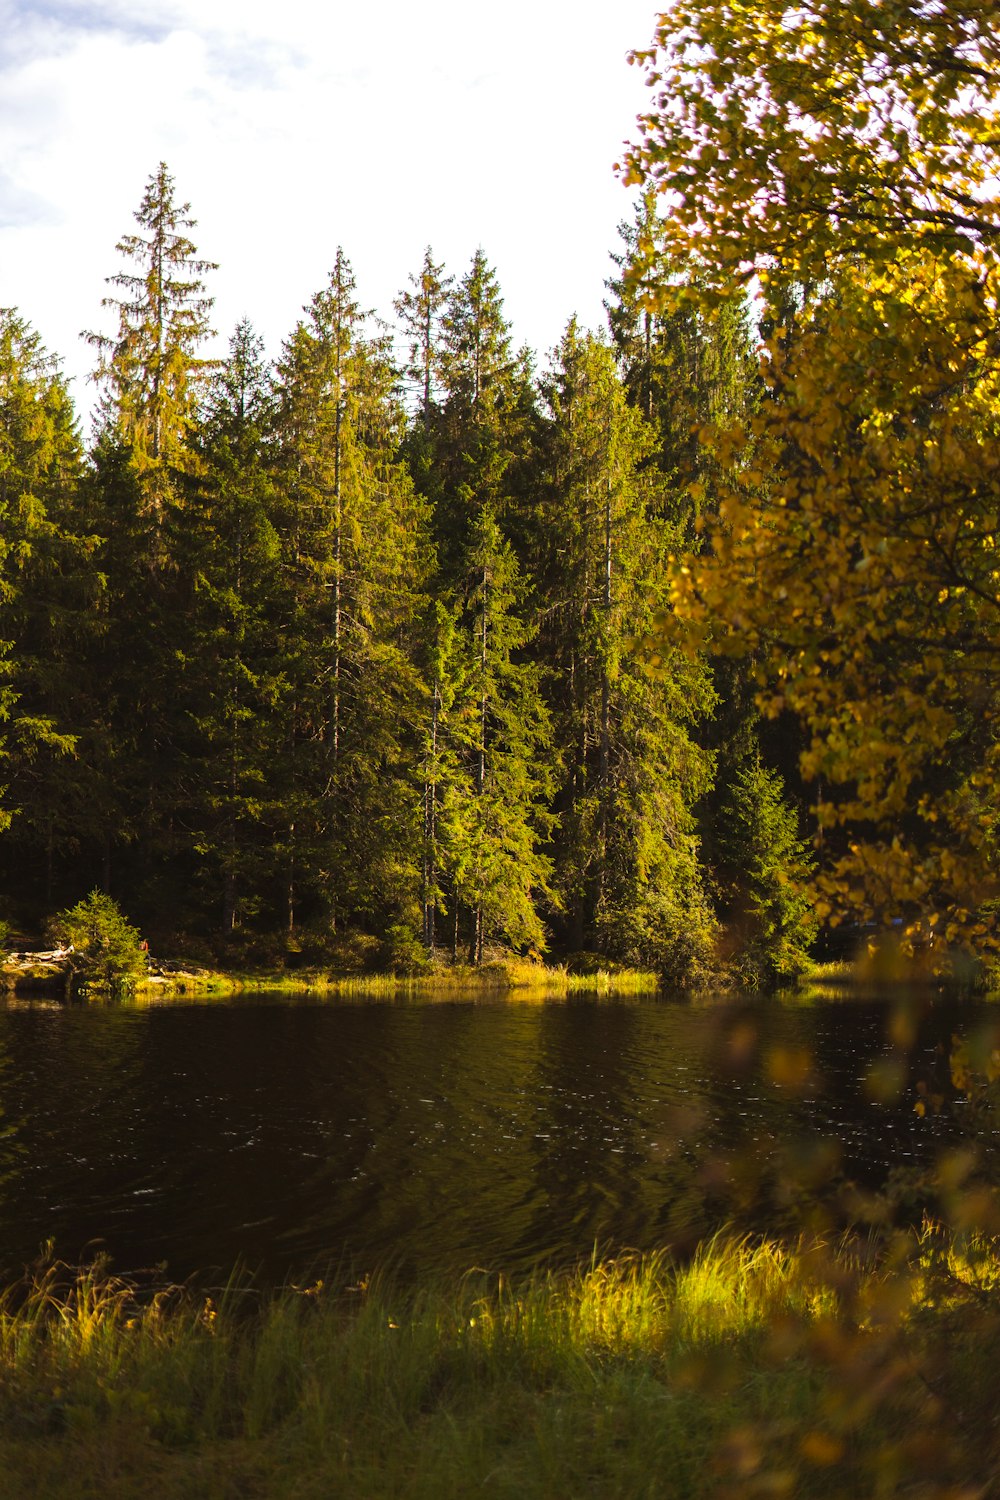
442,762
763,877
682,368
689,367
481,435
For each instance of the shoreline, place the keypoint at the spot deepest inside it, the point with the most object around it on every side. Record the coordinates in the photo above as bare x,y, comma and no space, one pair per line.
44,979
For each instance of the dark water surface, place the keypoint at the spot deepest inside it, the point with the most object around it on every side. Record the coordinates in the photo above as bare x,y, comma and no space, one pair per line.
446,1135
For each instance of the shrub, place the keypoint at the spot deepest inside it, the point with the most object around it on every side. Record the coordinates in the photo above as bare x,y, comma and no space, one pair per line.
106,953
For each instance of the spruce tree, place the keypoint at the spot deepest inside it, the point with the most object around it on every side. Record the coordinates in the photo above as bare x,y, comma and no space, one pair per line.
151,373
443,762
355,559
234,669
494,815
627,853
47,595
420,311
481,435
470,460
683,368
763,877
688,366
149,369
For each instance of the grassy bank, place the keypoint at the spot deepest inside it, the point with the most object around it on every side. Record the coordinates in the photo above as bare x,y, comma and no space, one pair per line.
753,1371
502,977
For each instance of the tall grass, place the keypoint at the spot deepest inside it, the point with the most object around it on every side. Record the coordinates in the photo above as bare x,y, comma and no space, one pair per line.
752,1370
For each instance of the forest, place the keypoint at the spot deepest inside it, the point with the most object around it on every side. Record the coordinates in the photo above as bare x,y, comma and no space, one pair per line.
673,648
341,658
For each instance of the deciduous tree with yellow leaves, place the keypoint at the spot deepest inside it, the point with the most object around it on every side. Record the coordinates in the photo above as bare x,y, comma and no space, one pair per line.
847,160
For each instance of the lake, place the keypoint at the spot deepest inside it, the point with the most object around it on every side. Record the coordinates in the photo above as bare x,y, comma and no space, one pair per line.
288,1133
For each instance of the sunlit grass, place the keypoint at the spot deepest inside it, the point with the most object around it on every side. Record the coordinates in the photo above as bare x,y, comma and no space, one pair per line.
513,977
751,1370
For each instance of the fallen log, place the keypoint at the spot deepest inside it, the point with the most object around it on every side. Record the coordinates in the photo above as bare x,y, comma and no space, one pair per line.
39,969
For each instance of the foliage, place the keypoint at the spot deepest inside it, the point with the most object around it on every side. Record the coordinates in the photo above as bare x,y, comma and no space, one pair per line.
355,559
106,954
682,365
848,162
493,813
233,686
802,138
864,520
421,312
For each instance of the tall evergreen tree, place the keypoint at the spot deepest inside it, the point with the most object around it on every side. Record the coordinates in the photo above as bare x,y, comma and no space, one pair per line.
234,671
149,368
627,854
683,368
355,559
420,311
151,374
469,457
689,364
47,591
494,813
482,433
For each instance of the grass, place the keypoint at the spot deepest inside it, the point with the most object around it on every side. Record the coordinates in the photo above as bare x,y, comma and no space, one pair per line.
508,977
752,1371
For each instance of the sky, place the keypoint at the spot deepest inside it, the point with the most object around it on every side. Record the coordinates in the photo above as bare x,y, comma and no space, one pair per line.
293,127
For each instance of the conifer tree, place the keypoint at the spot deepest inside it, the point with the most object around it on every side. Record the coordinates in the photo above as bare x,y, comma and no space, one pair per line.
482,434
150,369
763,877
494,817
688,367
355,560
627,855
46,597
478,357
421,313
151,374
234,673
683,368
443,764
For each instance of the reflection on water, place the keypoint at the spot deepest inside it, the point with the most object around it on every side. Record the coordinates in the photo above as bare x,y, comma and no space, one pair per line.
439,1135
12,1147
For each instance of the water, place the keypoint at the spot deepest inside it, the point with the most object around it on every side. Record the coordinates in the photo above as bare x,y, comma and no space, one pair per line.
446,1135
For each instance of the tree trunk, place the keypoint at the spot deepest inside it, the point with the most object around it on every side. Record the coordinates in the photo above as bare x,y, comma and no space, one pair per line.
605,694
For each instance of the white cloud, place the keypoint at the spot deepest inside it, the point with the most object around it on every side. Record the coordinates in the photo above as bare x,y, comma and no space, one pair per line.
292,129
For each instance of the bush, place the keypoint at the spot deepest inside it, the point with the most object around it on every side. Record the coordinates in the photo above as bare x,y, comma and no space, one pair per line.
106,953
403,952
